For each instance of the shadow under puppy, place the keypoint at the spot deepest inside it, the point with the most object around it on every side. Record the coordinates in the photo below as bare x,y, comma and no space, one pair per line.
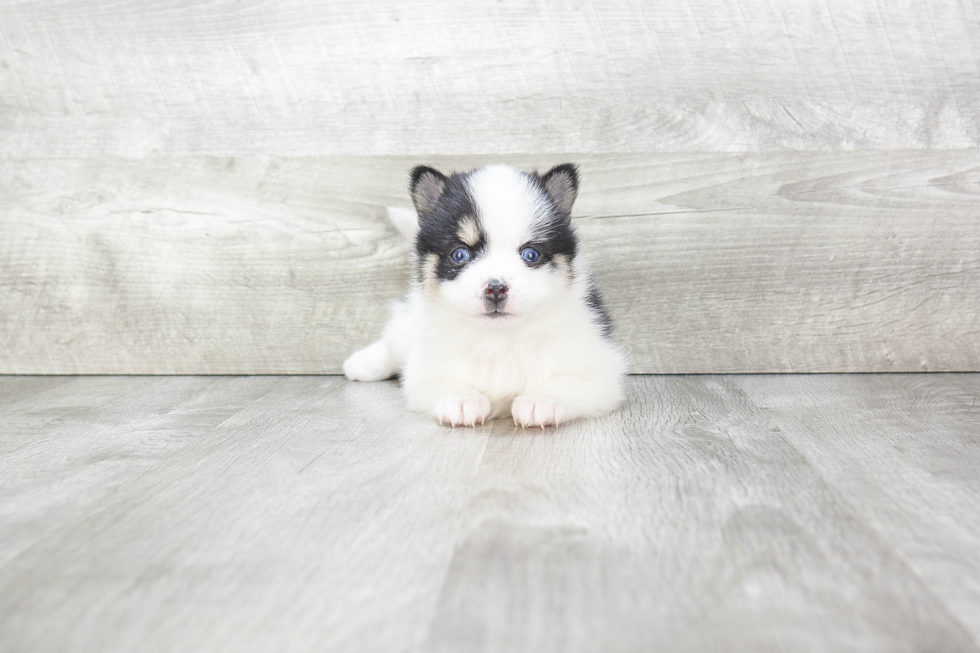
502,315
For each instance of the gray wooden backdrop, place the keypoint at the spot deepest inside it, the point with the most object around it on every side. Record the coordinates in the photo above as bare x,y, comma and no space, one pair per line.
200,187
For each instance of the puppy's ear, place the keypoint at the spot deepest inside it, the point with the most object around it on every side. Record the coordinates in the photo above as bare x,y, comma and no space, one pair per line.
561,182
426,188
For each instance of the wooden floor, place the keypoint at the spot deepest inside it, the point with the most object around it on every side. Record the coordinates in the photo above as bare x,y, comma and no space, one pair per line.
712,513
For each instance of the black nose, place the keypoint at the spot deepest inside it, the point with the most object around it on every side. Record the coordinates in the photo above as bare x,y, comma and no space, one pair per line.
496,291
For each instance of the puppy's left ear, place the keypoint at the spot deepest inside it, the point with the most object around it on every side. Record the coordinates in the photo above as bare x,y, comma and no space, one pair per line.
561,182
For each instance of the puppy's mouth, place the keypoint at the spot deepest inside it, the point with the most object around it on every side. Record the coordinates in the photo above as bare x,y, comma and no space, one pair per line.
495,311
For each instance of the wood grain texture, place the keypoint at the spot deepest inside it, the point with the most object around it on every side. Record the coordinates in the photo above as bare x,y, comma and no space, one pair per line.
303,77
686,522
66,451
905,452
777,262
307,514
16,389
253,515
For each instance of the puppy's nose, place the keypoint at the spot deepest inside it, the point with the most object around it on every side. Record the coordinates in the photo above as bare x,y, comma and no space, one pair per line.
496,291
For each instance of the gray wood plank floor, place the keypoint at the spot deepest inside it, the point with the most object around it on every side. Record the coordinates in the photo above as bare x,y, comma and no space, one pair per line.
711,513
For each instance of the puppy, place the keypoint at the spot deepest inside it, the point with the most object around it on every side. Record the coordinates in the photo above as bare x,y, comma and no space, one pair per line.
503,315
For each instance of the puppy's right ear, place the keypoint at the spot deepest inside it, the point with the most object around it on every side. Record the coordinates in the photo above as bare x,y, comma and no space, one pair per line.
426,189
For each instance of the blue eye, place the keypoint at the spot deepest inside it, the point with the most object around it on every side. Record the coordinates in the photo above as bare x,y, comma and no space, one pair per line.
530,255
460,255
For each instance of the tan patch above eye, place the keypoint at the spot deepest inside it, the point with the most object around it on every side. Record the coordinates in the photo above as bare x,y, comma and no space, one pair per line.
468,231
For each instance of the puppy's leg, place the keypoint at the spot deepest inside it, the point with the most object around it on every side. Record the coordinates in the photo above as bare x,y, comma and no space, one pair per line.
593,390
451,402
373,363
565,398
383,359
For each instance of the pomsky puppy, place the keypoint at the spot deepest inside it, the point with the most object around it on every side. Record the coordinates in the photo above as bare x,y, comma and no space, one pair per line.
503,315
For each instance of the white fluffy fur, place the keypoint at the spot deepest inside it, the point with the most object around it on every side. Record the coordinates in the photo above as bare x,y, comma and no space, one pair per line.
405,221
544,363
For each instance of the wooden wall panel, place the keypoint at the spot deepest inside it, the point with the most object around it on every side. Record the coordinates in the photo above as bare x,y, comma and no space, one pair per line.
307,77
199,187
775,262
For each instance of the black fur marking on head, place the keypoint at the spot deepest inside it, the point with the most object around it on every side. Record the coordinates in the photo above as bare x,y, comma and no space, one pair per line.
554,234
444,204
598,308
439,229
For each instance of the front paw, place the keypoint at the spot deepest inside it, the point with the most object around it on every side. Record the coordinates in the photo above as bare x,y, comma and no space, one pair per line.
463,410
528,410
